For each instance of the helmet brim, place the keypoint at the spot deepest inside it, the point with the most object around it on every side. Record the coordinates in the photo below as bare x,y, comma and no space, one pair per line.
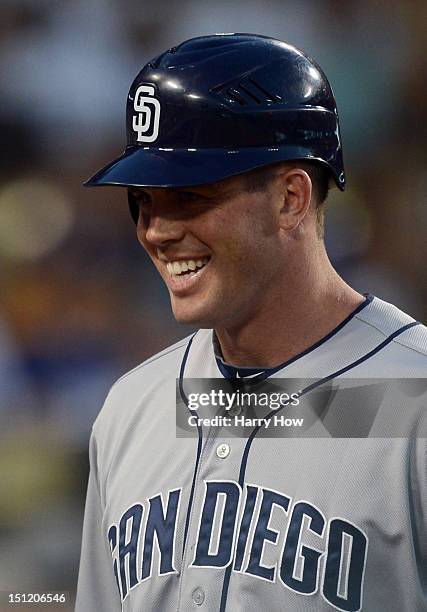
157,167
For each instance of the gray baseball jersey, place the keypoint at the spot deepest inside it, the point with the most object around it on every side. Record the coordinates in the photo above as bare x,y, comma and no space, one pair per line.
254,523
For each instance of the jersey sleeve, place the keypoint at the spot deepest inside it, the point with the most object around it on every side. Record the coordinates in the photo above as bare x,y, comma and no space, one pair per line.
96,587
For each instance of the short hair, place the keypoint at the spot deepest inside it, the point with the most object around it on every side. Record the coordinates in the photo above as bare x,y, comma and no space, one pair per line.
259,178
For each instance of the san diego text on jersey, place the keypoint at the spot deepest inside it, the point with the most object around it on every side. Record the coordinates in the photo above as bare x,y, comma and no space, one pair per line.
258,522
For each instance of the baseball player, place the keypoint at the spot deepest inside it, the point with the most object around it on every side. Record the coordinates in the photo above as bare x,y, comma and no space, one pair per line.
233,143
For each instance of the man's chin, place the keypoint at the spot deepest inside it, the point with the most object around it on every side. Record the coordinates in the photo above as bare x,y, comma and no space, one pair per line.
197,321
193,316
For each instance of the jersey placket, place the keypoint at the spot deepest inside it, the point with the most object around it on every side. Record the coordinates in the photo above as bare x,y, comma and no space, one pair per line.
219,462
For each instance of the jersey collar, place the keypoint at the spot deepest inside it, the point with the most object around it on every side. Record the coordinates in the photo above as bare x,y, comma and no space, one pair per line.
256,373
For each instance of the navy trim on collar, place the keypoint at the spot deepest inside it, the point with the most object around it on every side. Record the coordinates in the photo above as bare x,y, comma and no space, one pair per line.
231,371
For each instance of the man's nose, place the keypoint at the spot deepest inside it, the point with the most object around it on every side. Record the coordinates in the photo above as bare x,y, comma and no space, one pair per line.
162,225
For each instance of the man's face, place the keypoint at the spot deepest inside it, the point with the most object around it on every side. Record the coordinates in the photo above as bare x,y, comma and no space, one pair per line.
217,247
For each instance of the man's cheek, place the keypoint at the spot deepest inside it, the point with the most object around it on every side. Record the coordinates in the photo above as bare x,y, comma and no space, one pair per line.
231,251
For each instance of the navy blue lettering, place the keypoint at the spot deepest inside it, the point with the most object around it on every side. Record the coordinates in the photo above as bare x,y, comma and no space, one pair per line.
251,495
163,526
129,548
112,540
308,583
223,554
353,599
262,533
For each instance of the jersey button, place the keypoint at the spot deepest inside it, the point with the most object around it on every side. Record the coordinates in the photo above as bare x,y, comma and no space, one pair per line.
222,451
235,410
198,596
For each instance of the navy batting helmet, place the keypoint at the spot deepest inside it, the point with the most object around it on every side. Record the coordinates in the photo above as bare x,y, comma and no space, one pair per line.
216,106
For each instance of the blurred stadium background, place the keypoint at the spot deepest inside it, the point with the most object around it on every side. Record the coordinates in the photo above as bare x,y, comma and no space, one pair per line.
80,304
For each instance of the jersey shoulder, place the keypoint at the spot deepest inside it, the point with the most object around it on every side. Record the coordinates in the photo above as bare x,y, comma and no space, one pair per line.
126,393
405,336
156,362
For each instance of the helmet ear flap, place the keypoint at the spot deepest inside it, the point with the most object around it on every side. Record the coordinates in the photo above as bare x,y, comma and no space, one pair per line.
133,207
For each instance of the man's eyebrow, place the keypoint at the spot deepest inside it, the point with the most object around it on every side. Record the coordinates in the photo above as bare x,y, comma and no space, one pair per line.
207,190
138,191
219,187
196,187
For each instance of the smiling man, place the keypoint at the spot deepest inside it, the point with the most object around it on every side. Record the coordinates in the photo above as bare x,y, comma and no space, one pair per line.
233,143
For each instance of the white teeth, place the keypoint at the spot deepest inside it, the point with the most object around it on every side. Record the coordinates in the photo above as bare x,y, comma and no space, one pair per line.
176,268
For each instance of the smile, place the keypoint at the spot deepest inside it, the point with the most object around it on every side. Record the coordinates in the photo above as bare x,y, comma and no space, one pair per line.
187,268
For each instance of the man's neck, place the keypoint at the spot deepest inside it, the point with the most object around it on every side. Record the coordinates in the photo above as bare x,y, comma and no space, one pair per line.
300,315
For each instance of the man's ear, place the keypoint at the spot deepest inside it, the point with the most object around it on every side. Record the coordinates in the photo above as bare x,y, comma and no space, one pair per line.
296,197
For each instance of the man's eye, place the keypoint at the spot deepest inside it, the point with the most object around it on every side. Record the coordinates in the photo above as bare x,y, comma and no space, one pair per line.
191,196
143,198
